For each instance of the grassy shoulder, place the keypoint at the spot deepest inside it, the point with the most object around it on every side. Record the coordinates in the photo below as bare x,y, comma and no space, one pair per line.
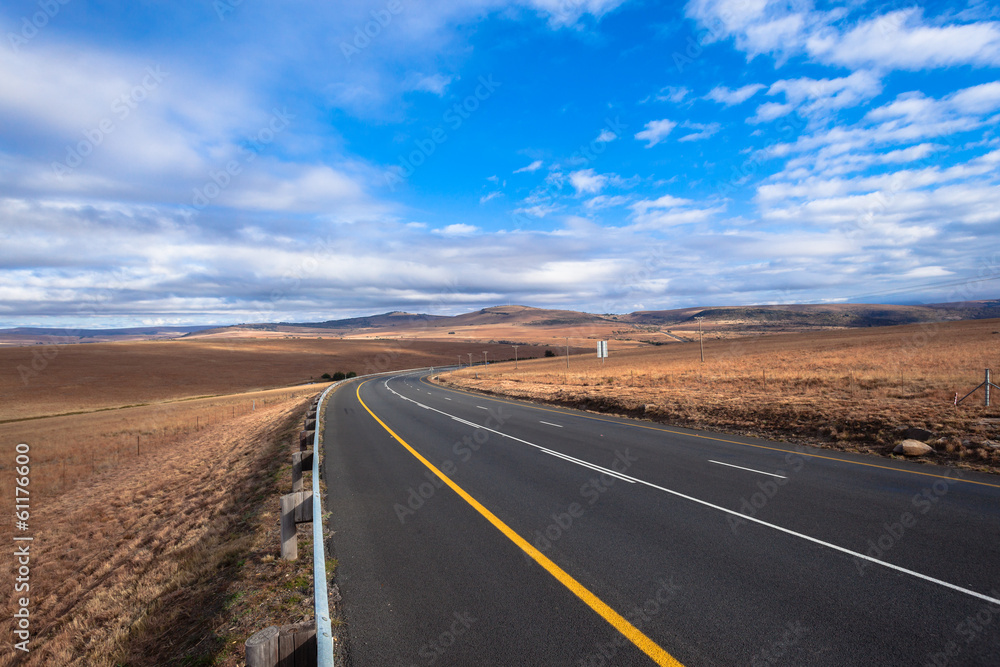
852,391
173,559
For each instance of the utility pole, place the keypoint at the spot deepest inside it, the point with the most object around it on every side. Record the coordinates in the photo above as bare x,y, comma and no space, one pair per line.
459,361
485,363
470,360
567,352
701,342
515,355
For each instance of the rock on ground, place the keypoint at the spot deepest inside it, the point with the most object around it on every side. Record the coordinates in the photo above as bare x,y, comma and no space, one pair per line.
912,448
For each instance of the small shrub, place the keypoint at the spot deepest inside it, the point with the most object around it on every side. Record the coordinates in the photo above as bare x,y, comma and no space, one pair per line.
338,376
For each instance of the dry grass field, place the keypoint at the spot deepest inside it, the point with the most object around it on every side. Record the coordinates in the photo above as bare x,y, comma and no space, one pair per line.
556,336
71,449
49,380
850,389
166,557
155,471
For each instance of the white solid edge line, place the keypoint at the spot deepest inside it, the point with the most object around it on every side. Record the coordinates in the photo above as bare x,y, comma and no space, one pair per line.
759,472
745,517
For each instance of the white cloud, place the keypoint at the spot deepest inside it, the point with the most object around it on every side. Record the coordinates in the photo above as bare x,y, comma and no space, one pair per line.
900,39
982,99
769,111
666,201
300,188
428,83
655,131
731,97
817,98
909,119
457,230
568,12
534,166
606,136
669,211
492,195
537,210
704,131
587,181
605,201
672,94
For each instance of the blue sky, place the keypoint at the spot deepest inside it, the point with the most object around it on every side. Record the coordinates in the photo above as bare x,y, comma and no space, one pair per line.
225,161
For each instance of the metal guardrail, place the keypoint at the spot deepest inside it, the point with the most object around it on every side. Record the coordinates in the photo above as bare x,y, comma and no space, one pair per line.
324,630
321,603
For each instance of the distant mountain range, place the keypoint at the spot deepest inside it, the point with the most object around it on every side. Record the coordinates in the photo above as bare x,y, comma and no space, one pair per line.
41,335
86,333
778,317
811,315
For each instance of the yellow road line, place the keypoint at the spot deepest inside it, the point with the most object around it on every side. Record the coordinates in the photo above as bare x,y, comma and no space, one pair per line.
526,404
632,633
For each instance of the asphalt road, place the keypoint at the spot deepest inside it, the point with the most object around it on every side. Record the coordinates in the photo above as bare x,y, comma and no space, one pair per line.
477,531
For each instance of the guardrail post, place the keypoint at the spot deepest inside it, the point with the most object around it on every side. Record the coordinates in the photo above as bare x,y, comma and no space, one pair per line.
305,438
297,645
288,646
295,508
300,462
262,648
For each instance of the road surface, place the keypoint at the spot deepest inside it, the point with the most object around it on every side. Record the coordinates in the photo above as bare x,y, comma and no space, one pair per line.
478,531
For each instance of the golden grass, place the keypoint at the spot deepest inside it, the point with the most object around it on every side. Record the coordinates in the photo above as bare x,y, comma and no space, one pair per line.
134,566
70,449
847,388
48,380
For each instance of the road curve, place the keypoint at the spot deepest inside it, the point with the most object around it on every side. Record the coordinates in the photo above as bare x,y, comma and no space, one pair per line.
477,531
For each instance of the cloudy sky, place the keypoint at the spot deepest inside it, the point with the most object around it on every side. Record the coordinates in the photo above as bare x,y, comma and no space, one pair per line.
226,161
